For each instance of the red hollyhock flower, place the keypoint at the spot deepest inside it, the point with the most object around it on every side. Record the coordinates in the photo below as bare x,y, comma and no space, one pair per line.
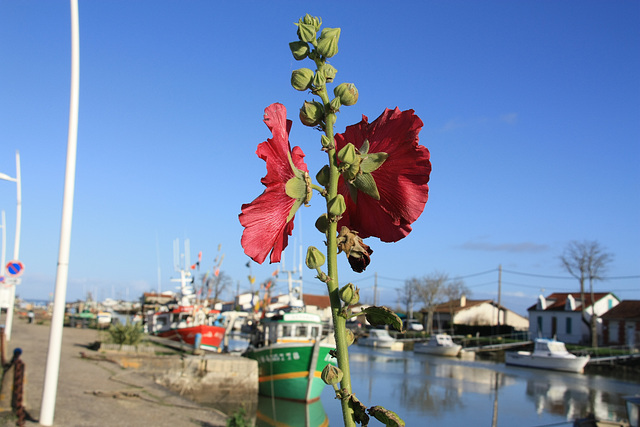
268,220
401,180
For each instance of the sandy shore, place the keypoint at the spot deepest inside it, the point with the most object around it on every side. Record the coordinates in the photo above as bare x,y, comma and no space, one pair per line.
98,393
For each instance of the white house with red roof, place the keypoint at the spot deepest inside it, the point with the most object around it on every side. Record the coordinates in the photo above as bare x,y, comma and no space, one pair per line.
563,315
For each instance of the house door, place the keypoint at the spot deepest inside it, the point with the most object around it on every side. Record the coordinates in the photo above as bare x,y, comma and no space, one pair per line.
631,335
554,326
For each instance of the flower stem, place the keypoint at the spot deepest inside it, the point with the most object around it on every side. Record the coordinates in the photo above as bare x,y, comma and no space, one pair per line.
339,321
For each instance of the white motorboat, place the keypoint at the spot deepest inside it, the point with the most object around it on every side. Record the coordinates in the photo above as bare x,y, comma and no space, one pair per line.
548,354
438,344
378,338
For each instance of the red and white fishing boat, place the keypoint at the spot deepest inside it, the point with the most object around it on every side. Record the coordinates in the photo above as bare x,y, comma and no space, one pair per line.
187,321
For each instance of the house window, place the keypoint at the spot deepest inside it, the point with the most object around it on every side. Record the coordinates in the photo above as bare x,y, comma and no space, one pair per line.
610,304
540,324
568,326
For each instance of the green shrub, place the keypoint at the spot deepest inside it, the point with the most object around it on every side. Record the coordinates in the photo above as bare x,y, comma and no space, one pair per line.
129,333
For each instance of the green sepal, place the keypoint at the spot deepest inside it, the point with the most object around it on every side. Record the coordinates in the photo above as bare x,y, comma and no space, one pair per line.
335,104
296,188
371,162
359,411
378,316
365,183
385,416
319,81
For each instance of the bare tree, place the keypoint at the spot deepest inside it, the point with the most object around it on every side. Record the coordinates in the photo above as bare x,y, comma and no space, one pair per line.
408,295
217,284
453,291
587,260
429,290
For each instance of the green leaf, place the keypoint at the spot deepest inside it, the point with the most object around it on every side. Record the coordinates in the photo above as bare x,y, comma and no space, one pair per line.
378,316
385,416
365,183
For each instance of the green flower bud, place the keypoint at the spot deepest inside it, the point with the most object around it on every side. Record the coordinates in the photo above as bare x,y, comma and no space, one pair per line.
328,42
323,176
336,206
349,155
311,113
308,26
312,20
329,72
349,294
322,223
331,375
335,104
301,79
347,93
315,258
299,49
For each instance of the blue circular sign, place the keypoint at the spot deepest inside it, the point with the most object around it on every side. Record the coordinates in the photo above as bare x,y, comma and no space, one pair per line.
14,268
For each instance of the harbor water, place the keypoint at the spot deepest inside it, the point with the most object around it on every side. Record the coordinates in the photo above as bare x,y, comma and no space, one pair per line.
431,390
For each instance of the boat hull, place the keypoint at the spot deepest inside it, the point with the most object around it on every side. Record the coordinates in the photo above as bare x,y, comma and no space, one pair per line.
283,370
450,351
528,360
287,413
210,336
367,342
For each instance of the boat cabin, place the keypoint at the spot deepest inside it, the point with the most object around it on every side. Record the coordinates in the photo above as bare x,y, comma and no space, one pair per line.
441,340
543,345
292,328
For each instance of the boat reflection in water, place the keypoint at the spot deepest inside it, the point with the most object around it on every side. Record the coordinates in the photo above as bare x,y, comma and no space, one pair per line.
288,413
430,390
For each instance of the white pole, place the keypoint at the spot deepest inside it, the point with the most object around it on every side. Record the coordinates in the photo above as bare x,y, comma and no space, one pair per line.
16,249
4,244
57,319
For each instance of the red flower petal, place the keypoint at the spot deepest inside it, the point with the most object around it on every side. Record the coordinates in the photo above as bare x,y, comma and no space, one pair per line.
265,219
402,180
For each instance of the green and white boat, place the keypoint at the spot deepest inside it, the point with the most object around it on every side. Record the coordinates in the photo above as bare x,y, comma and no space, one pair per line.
291,354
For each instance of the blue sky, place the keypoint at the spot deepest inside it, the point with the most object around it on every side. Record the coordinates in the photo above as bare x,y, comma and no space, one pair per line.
531,113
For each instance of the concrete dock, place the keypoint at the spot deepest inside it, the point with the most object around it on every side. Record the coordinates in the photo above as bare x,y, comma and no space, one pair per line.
95,390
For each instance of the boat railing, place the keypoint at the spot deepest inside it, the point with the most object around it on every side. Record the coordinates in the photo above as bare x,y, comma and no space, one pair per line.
492,340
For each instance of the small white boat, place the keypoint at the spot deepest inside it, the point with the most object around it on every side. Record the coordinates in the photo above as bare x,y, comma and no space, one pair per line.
548,354
438,344
378,338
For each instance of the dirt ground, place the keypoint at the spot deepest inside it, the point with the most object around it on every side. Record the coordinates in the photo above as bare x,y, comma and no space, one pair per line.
96,392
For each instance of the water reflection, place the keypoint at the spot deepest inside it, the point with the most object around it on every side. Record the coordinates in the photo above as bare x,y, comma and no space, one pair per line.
286,413
574,400
421,387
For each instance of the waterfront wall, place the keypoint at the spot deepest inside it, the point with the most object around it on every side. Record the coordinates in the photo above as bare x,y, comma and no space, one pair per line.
217,380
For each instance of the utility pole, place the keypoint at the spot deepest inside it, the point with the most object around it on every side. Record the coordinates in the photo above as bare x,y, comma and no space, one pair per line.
375,289
499,294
